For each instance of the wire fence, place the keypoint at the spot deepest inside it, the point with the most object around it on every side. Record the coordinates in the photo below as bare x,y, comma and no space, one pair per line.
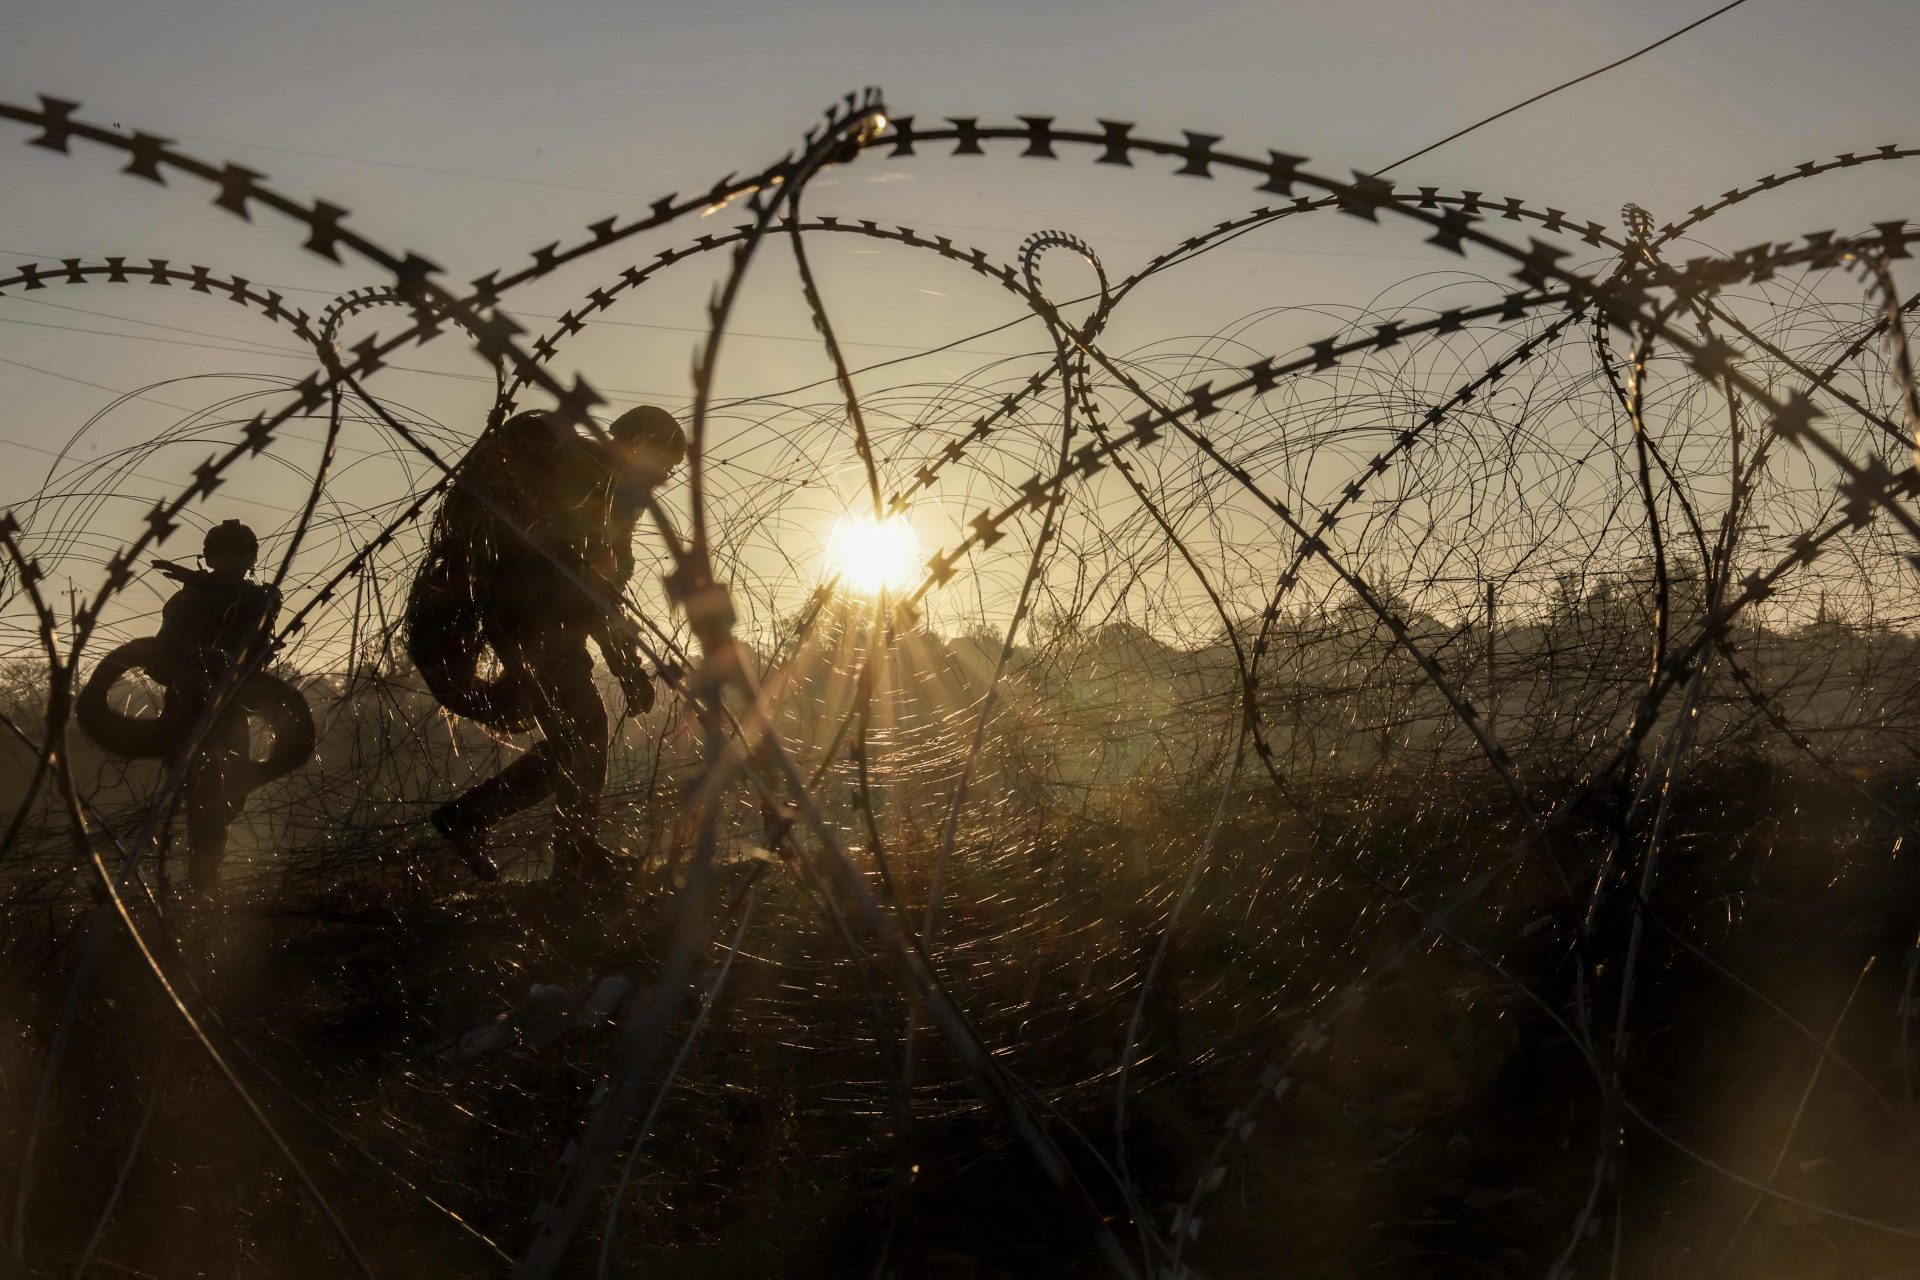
1315,757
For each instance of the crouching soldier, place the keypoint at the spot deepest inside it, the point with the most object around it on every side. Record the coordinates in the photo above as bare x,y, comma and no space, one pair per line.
528,559
210,631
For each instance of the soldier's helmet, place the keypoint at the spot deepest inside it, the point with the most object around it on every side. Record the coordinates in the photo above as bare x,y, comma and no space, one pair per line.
230,544
652,435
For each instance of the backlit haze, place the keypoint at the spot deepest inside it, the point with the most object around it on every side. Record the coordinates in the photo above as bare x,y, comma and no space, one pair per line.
476,134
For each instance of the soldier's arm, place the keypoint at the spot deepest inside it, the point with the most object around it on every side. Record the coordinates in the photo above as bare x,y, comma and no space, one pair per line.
269,611
248,625
166,667
627,663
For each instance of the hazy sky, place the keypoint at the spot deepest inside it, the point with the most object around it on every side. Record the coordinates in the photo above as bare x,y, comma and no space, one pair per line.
475,132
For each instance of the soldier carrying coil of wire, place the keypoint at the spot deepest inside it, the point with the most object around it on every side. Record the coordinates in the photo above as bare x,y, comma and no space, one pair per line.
527,560
214,632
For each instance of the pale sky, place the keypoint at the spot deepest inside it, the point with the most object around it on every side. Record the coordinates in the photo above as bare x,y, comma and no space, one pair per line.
476,132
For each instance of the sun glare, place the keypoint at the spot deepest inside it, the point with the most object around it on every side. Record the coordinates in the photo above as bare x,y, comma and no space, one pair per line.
871,556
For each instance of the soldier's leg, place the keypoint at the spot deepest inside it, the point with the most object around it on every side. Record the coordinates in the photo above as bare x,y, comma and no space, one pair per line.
213,799
206,805
520,784
574,720
465,819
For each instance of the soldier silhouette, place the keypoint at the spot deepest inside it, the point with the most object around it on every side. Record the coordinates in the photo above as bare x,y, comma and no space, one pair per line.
529,555
209,630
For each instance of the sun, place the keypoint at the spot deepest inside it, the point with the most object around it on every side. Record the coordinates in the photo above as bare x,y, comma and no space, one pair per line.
873,556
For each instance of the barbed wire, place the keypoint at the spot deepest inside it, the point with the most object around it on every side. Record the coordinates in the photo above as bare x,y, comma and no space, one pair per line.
1012,789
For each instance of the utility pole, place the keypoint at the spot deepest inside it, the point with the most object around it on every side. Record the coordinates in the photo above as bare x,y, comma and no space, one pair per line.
1493,694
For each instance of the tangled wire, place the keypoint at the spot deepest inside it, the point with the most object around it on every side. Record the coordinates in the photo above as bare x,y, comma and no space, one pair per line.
1263,694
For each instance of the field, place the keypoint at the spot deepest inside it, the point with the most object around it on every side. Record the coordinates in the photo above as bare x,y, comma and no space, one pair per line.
1413,788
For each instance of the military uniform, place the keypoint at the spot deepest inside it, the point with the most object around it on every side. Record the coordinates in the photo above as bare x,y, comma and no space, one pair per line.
207,630
576,525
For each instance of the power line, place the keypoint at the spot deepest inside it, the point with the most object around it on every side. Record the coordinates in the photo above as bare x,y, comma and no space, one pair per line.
282,352
1434,146
172,485
1618,62
98,386
612,392
151,324
147,396
622,394
420,168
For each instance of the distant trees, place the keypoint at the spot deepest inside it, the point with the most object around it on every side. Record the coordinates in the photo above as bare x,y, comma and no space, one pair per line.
1097,715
